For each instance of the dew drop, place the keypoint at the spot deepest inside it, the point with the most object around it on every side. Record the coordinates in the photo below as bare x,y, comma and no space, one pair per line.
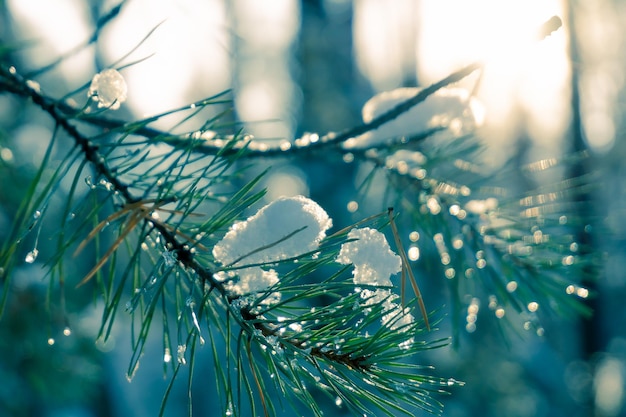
338,401
67,331
51,341
413,253
36,214
167,355
31,256
353,206
533,306
180,354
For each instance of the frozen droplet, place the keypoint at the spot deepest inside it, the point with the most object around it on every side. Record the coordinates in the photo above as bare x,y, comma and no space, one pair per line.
169,258
296,327
108,88
180,354
31,256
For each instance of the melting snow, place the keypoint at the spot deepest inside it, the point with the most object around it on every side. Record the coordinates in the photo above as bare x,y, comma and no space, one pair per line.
452,108
374,263
285,228
373,260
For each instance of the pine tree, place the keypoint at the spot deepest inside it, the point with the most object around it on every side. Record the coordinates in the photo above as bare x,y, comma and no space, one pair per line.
288,305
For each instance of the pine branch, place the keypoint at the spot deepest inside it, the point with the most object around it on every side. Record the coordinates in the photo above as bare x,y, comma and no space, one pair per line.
136,205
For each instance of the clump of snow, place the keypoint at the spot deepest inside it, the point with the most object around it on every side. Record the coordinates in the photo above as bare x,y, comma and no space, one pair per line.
108,89
272,233
374,261
285,228
451,108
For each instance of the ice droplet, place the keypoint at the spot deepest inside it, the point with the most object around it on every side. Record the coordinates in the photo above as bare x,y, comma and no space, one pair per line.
31,256
167,355
169,258
180,354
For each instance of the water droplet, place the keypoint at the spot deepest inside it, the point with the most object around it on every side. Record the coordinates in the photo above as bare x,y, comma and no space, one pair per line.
511,286
582,292
31,256
533,306
338,401
414,236
180,354
353,206
413,253
89,182
67,331
36,214
167,355
51,341
450,273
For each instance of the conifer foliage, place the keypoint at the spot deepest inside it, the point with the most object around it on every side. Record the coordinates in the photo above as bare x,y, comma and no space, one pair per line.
287,303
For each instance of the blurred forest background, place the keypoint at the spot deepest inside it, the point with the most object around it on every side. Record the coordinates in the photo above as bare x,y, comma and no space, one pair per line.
308,66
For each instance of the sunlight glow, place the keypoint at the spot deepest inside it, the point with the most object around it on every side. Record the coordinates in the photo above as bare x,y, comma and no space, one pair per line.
525,83
56,27
186,57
